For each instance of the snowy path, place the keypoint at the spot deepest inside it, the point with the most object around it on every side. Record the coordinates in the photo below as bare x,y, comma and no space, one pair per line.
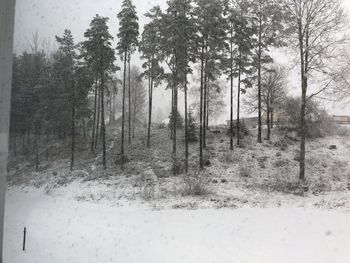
61,230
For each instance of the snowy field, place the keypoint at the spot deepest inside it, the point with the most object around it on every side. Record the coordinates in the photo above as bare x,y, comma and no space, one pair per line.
62,230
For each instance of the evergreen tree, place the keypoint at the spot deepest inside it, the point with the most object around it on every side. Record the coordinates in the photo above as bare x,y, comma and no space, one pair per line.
150,49
267,18
68,59
100,57
128,34
210,25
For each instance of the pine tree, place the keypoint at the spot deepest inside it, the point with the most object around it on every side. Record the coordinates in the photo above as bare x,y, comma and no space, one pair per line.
128,34
150,49
209,21
69,56
100,57
267,18
243,52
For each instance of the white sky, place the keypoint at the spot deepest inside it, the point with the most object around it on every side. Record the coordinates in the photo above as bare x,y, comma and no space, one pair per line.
51,17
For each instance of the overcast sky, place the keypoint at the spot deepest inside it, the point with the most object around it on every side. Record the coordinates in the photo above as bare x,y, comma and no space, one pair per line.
51,17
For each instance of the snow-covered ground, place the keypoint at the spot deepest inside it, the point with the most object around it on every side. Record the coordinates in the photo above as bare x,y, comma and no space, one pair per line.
61,229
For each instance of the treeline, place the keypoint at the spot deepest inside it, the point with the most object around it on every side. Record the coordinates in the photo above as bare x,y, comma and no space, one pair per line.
224,38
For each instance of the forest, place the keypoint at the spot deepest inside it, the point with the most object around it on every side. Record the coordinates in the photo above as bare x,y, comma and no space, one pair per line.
83,96
193,131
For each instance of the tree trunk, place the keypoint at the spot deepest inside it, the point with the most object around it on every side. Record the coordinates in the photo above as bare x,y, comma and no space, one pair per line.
259,78
98,113
134,112
186,123
73,131
205,98
271,117
238,99
231,91
150,93
129,94
94,123
123,110
103,125
303,63
201,112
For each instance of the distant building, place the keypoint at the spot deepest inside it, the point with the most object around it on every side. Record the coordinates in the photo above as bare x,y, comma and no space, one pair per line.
341,119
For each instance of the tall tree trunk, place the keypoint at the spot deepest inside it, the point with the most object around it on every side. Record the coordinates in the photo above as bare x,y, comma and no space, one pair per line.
231,86
186,122
208,100
171,121
259,77
129,94
110,107
134,111
123,110
201,111
238,99
303,52
103,125
150,93
98,113
175,111
73,130
94,123
205,98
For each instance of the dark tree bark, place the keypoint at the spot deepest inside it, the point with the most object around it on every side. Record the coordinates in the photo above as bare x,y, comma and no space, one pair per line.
73,130
259,79
205,98
238,99
186,124
103,125
98,113
231,90
129,99
201,112
94,122
123,110
150,98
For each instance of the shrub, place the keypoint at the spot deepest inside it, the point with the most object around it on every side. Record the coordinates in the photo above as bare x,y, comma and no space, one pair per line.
179,121
195,183
146,182
191,128
243,129
229,156
318,122
177,166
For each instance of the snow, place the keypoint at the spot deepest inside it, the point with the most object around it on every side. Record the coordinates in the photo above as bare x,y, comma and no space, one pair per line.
63,229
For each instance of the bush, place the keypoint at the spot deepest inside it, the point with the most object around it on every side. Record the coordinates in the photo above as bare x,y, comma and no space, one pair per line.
229,156
243,130
179,121
146,183
195,184
191,129
318,122
178,166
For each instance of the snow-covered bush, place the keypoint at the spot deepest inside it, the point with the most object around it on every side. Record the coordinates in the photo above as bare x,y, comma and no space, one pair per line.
318,122
195,183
